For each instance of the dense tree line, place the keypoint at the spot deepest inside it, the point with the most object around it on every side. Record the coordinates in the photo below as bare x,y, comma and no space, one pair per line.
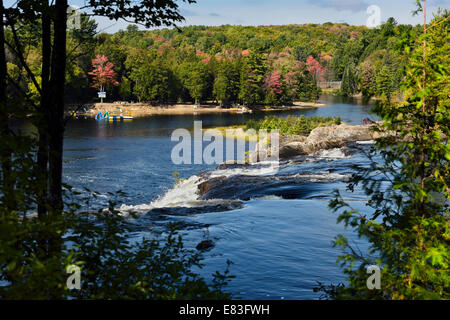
270,65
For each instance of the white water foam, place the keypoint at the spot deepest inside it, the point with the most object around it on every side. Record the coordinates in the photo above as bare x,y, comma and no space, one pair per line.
331,154
269,197
324,176
366,142
183,194
261,169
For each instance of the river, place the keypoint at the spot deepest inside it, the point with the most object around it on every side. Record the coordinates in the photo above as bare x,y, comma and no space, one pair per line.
279,237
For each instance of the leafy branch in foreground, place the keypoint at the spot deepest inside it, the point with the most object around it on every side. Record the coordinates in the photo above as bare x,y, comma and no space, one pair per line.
408,184
35,249
114,266
114,262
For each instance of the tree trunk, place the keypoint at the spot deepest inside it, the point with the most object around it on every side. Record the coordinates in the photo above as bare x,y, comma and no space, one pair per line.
5,147
56,125
43,114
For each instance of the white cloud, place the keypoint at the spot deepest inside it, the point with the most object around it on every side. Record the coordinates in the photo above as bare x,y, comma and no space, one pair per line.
341,5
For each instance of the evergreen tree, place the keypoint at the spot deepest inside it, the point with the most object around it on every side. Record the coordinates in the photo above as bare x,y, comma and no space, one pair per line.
226,83
349,84
302,52
384,83
307,89
252,79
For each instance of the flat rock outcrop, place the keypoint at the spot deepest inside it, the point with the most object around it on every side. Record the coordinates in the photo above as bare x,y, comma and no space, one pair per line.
327,137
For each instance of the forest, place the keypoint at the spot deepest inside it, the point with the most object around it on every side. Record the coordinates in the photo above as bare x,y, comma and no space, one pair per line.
45,230
264,65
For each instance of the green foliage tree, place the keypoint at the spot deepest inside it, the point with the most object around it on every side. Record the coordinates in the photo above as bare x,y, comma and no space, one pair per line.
153,80
81,45
195,77
226,83
125,89
292,125
301,52
307,89
126,49
408,183
349,81
384,83
252,79
346,53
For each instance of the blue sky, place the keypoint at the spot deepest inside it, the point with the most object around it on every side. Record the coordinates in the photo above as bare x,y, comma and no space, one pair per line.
268,12
276,12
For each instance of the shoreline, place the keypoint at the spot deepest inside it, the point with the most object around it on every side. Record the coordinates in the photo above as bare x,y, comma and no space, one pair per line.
138,110
297,106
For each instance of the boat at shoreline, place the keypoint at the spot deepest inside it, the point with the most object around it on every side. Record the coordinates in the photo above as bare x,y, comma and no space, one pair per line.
112,117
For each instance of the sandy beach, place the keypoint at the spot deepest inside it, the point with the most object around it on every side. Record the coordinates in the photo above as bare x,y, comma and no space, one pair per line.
144,110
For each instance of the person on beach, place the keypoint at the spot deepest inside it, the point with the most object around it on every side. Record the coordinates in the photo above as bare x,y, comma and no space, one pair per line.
366,121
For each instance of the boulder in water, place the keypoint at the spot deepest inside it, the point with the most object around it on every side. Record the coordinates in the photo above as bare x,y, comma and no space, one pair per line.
342,132
287,138
205,245
209,184
230,164
327,137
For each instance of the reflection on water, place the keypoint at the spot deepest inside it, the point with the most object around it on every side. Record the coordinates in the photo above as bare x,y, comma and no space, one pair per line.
351,110
279,247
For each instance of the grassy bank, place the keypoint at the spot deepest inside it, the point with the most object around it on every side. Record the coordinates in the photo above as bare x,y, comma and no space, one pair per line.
292,125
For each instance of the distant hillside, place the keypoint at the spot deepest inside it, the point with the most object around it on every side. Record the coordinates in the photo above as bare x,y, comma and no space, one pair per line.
271,65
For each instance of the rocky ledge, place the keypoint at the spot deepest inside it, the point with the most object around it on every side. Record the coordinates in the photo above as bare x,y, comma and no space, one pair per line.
327,137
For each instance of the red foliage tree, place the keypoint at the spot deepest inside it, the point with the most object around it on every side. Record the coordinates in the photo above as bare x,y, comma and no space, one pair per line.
291,83
313,65
103,73
273,82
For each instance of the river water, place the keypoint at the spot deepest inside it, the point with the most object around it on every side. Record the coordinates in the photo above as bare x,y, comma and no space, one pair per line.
275,227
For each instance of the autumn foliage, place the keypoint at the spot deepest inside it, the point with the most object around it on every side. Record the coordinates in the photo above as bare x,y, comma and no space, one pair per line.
313,65
273,82
103,73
